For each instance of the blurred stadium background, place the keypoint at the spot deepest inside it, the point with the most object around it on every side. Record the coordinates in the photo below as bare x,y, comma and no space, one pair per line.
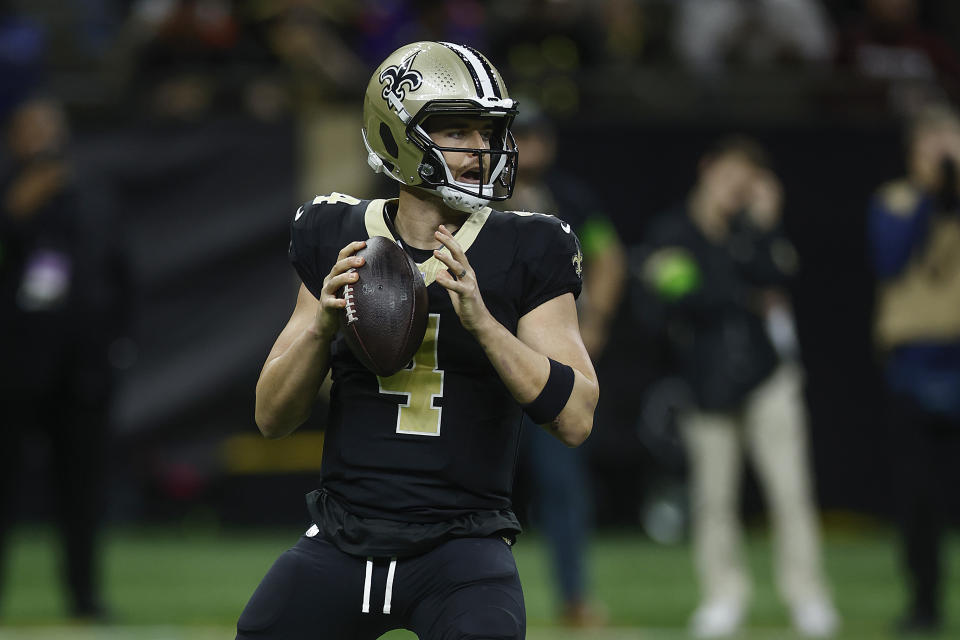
202,124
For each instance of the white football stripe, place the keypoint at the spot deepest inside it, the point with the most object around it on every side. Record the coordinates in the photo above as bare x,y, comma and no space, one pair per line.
477,68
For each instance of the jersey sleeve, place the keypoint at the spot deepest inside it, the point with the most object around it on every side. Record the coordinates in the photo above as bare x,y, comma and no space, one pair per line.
306,250
552,260
319,230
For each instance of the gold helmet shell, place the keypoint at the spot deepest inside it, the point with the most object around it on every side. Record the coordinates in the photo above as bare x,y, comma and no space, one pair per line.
424,79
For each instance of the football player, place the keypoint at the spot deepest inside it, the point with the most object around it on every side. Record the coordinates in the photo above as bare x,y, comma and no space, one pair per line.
412,524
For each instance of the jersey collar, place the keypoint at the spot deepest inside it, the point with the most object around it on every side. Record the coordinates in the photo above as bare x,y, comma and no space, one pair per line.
465,235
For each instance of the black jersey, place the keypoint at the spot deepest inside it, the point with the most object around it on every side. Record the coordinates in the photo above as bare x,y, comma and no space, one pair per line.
428,453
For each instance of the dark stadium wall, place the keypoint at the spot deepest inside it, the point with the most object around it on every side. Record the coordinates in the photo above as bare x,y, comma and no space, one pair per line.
206,208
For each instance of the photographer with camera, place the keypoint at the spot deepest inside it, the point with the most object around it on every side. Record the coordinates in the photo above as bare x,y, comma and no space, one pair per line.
914,228
712,274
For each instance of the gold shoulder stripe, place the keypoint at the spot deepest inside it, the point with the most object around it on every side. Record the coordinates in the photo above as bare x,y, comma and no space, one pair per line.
373,219
465,235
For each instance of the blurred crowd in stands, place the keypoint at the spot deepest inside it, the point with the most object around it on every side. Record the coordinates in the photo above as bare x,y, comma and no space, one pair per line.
183,58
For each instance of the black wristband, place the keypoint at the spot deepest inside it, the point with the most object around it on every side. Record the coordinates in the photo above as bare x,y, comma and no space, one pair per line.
553,398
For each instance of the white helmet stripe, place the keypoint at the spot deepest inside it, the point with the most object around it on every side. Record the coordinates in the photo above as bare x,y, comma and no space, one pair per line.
477,69
490,73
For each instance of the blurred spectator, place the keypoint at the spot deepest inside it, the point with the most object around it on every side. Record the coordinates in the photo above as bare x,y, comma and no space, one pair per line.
889,44
336,40
61,307
22,46
711,272
183,45
187,59
561,491
712,35
78,31
546,43
915,240
307,38
384,25
636,32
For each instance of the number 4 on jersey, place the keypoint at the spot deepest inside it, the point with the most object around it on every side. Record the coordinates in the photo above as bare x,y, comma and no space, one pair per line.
420,385
336,198
333,198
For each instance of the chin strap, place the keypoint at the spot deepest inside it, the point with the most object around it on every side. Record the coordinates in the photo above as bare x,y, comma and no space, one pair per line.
458,198
461,201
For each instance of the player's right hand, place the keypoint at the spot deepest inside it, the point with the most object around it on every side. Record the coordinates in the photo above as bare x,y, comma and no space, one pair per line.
331,306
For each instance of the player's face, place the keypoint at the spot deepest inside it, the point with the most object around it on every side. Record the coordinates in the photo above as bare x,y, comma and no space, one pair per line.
465,133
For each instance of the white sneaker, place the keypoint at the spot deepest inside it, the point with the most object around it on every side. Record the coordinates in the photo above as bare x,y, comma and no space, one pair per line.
716,619
815,619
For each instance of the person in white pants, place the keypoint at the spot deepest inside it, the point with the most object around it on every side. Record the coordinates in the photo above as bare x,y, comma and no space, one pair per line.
711,274
770,429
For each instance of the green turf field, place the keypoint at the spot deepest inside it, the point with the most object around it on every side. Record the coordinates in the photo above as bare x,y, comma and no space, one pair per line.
191,585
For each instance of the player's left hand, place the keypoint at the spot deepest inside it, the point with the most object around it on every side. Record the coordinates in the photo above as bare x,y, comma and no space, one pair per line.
462,285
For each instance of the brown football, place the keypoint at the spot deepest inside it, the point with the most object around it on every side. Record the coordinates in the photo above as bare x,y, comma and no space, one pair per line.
386,314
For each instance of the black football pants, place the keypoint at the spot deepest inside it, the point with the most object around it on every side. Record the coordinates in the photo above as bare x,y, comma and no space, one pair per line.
924,448
465,588
76,432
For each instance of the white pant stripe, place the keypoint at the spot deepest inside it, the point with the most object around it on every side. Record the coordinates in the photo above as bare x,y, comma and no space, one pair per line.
388,595
366,586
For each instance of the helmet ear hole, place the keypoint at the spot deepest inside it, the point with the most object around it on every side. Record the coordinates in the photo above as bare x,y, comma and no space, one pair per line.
389,143
430,170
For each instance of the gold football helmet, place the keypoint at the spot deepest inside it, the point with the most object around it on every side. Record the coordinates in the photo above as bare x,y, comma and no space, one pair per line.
425,79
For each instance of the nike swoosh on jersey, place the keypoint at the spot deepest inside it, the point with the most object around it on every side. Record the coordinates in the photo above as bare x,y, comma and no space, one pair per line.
299,213
565,227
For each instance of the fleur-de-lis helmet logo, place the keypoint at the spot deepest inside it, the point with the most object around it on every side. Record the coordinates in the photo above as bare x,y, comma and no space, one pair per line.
397,79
